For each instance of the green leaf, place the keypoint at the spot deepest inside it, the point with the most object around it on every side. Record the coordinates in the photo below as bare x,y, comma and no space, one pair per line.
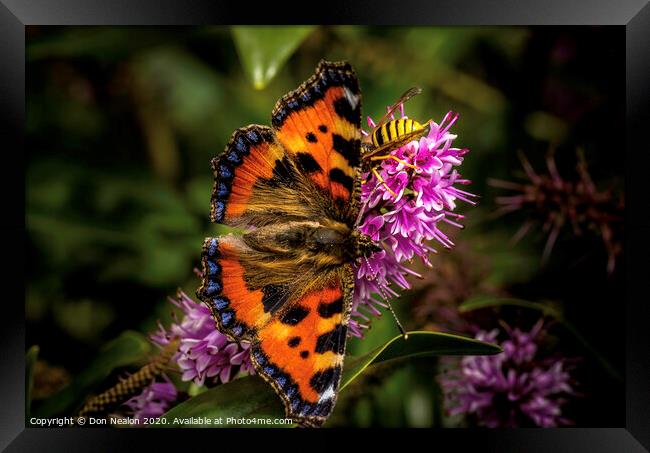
418,344
251,397
30,363
247,397
263,50
127,349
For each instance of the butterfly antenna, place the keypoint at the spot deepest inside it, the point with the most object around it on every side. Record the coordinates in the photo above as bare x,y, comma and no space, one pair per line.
372,269
392,312
399,324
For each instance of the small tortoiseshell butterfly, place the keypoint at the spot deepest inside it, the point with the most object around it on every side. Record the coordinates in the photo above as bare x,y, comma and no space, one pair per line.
286,283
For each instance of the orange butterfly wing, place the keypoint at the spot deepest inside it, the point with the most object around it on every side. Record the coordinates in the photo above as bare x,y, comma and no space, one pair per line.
237,308
253,164
298,347
301,352
319,124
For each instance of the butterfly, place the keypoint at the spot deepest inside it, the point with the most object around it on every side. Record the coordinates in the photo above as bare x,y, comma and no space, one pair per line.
286,283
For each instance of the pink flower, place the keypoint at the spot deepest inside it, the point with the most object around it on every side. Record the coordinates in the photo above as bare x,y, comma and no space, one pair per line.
404,212
204,352
516,388
154,400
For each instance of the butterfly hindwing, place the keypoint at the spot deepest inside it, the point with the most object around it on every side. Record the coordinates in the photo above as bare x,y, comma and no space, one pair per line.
238,308
319,126
301,352
298,343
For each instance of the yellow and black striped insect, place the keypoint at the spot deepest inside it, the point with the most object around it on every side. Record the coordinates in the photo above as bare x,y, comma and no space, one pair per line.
394,131
389,134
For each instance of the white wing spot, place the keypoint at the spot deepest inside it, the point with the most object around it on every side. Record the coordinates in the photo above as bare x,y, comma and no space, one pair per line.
351,97
327,394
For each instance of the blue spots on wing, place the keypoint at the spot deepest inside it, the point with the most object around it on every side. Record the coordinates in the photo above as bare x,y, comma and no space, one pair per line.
214,268
305,409
279,116
226,318
253,137
260,358
241,147
221,303
212,247
270,370
225,171
223,190
213,289
219,210
291,391
234,157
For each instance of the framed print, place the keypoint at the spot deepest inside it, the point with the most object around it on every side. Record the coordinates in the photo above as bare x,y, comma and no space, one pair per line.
430,221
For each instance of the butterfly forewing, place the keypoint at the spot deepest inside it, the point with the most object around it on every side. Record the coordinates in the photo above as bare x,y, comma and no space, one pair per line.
319,126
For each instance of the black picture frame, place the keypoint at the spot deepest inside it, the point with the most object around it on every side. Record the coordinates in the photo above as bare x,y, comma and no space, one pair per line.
634,15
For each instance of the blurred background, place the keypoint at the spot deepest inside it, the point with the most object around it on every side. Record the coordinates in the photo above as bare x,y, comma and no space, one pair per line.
122,123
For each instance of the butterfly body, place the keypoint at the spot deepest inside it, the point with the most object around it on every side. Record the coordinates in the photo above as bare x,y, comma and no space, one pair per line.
286,283
322,244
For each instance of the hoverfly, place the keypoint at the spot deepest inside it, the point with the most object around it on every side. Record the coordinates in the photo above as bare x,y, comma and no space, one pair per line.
389,134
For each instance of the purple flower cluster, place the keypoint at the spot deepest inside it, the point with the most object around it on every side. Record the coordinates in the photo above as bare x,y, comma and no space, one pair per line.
402,207
512,389
153,401
203,352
